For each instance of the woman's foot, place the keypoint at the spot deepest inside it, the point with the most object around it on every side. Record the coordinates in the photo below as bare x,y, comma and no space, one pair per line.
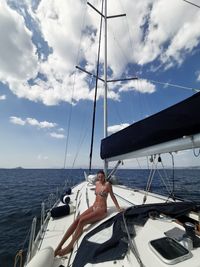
64,251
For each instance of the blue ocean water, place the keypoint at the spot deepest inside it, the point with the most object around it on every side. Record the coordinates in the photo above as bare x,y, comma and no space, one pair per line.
23,190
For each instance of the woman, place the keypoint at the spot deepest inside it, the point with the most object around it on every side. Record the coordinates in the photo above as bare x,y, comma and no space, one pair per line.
95,213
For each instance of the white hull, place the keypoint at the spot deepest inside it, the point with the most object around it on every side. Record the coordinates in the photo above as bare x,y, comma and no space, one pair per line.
83,196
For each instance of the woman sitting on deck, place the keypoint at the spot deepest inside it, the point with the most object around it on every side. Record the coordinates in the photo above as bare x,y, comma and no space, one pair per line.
96,212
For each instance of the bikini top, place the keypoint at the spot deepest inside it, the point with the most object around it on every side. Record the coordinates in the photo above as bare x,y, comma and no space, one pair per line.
102,193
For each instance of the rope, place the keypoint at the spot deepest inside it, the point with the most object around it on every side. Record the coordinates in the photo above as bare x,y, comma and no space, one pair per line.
193,148
18,257
132,245
196,154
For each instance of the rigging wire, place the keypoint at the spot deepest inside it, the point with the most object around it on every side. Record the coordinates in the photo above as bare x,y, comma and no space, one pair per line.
72,94
147,162
168,187
81,140
95,96
138,163
129,35
173,178
150,178
153,170
191,3
175,85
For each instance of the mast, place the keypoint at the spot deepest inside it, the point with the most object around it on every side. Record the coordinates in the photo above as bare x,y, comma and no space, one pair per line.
105,83
105,80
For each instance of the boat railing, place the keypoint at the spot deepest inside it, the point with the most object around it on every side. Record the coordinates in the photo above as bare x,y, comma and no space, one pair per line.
32,238
42,214
35,240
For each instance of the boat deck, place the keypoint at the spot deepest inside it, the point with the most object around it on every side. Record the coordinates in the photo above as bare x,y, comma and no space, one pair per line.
83,196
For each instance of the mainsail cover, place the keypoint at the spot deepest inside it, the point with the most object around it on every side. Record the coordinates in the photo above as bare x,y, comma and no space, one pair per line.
116,247
178,122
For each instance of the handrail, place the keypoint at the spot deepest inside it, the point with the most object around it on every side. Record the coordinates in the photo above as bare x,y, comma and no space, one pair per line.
45,216
31,240
42,214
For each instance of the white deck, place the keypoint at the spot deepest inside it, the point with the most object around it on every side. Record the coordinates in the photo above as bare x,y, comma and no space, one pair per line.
126,197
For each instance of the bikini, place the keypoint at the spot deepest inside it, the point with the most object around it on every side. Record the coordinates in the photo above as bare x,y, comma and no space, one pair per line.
103,194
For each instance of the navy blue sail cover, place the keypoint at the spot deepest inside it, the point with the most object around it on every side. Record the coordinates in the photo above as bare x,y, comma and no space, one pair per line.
182,119
117,246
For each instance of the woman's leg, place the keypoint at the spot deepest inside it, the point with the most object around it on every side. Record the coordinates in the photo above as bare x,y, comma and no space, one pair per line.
71,230
91,217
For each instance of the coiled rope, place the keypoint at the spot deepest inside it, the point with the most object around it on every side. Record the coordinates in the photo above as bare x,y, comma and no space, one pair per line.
19,255
19,258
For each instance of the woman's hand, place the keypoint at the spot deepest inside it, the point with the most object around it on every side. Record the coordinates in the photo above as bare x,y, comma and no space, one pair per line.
57,250
121,209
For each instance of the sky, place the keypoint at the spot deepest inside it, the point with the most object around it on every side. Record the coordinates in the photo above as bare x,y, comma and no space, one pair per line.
46,103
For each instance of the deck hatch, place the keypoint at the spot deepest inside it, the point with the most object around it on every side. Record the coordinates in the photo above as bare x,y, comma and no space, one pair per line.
169,251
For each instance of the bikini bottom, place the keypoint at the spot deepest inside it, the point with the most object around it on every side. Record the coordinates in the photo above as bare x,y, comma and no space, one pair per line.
99,208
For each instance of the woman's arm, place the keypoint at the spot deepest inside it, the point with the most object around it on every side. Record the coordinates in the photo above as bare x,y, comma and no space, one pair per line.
114,198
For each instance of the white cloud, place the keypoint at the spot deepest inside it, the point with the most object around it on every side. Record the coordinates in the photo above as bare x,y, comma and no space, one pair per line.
16,120
160,29
58,136
42,124
155,30
173,30
32,122
60,130
115,128
42,157
2,97
140,85
18,58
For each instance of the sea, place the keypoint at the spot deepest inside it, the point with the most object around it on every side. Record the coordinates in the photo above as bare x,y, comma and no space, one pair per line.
23,190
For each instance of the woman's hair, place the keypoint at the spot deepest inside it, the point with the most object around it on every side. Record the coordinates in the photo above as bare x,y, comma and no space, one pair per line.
101,172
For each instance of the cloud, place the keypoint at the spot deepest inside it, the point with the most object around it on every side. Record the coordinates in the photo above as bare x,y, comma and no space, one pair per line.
42,124
60,130
18,57
39,64
142,86
16,120
169,31
56,135
41,157
33,122
2,97
115,128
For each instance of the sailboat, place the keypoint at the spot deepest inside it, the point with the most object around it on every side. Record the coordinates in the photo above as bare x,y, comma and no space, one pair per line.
153,230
